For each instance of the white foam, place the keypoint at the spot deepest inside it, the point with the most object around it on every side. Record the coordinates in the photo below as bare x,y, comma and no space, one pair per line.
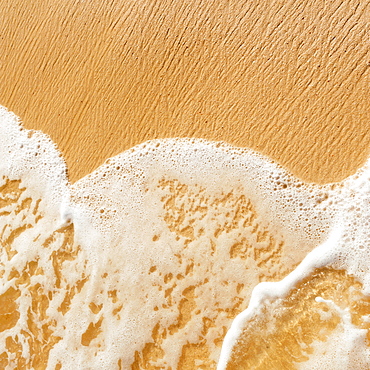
347,247
142,245
32,156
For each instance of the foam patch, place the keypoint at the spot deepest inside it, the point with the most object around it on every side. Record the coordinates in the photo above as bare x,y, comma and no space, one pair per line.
146,262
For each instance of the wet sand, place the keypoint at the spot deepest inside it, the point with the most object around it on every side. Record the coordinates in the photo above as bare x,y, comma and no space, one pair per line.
289,79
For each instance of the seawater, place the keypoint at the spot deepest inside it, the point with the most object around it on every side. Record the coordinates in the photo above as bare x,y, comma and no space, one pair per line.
178,254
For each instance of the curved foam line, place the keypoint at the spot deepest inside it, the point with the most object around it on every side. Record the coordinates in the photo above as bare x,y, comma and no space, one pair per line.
319,257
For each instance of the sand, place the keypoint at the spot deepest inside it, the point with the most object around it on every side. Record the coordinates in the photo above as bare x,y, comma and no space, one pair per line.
289,79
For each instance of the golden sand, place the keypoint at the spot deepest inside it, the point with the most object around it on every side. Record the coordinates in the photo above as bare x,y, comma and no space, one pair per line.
289,79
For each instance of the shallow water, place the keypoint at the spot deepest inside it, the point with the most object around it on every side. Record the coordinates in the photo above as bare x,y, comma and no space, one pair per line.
146,262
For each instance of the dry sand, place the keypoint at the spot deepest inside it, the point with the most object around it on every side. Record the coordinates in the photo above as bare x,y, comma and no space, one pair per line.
287,78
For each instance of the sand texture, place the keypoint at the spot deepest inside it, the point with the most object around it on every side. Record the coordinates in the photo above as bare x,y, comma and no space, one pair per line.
287,78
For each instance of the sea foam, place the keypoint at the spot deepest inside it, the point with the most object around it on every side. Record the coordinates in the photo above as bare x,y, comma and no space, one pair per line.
147,262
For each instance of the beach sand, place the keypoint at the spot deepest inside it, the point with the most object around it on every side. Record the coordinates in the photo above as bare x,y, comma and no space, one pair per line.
287,79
